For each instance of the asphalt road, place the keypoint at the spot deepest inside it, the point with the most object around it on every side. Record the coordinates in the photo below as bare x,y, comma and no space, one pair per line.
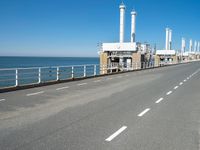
156,109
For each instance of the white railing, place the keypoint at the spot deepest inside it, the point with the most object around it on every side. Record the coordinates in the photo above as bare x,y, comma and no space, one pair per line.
14,77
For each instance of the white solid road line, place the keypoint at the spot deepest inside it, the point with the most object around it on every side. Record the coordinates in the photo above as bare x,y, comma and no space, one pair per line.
168,93
97,81
176,87
160,100
114,135
181,83
31,94
62,88
81,84
144,112
2,100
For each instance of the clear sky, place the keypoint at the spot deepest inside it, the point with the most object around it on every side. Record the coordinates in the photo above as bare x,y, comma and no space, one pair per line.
74,27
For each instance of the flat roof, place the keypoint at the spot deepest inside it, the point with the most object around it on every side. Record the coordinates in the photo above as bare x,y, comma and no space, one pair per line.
165,52
119,47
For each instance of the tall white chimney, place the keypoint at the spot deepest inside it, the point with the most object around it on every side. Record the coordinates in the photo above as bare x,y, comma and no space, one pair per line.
198,46
133,23
122,8
190,49
170,39
195,46
167,39
183,45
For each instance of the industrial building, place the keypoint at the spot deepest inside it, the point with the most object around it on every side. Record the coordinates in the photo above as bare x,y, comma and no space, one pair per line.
123,56
168,55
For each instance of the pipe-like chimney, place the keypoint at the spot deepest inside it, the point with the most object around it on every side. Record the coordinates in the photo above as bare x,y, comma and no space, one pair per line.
167,39
170,39
195,46
122,8
198,46
133,23
190,49
183,45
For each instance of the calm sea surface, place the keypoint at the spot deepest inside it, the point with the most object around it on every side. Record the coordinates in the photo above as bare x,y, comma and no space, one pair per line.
23,62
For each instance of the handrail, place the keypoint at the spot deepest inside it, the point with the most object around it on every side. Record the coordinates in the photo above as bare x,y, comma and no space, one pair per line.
14,77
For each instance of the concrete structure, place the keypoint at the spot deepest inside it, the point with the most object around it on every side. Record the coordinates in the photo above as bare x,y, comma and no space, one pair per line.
191,46
133,24
83,117
123,55
167,55
122,8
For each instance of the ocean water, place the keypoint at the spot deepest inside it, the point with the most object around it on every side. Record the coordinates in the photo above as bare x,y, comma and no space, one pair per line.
32,76
24,62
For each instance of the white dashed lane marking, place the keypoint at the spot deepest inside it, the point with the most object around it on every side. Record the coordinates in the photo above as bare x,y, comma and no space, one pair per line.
62,88
176,87
160,100
144,112
97,81
37,93
2,100
168,93
181,83
81,84
114,135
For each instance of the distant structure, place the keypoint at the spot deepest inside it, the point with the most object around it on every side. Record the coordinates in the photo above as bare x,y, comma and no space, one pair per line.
166,55
124,55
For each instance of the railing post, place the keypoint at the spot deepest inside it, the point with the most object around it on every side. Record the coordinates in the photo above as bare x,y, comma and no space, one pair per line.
16,78
84,71
95,70
57,73
72,72
39,75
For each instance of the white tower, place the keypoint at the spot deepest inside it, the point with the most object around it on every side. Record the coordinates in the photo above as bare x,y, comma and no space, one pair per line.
183,45
191,47
122,8
133,22
170,39
198,46
167,39
195,46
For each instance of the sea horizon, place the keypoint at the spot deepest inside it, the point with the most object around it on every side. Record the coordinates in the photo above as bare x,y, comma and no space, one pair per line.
41,61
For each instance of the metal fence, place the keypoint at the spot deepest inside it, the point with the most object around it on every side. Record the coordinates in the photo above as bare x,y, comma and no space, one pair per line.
14,77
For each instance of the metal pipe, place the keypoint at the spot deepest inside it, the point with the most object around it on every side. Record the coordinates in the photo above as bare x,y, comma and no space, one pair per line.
170,39
57,74
167,39
72,72
16,78
191,46
39,75
133,24
122,8
84,71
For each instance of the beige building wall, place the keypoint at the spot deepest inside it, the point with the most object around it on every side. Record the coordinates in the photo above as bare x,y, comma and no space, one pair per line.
136,60
103,63
156,61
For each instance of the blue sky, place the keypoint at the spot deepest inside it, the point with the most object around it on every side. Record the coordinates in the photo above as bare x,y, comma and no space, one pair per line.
74,27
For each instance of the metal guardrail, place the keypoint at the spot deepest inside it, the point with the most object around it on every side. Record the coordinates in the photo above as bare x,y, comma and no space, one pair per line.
14,77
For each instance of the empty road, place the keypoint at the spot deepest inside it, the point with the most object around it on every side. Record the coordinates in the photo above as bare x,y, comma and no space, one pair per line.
155,109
